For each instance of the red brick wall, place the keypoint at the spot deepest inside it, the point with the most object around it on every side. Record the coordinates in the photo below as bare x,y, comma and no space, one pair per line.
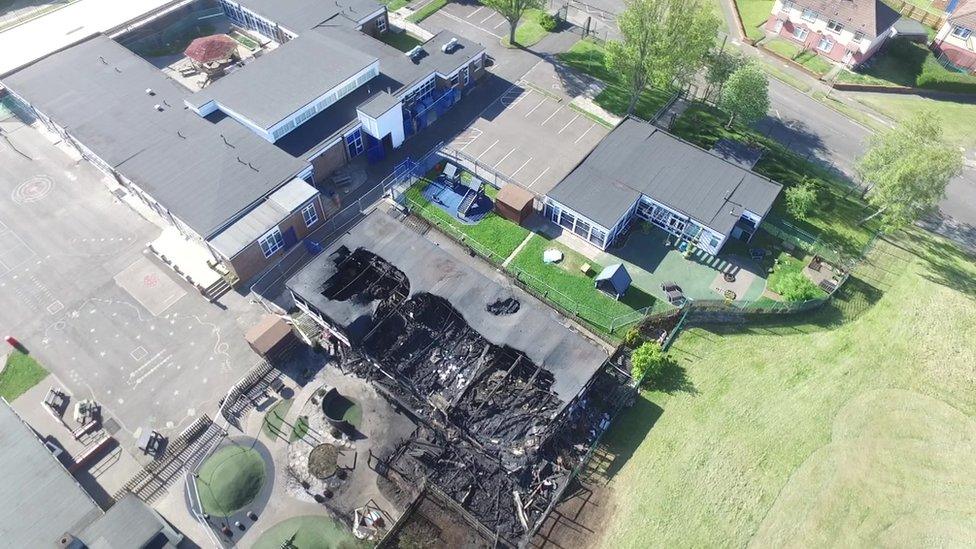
812,40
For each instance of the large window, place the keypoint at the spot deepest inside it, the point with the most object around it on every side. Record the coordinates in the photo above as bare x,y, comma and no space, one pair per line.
271,242
788,5
420,93
354,143
962,32
810,15
800,33
310,215
834,26
826,44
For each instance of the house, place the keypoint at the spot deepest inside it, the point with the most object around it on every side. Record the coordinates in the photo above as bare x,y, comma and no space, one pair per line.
237,166
42,505
639,171
955,43
844,31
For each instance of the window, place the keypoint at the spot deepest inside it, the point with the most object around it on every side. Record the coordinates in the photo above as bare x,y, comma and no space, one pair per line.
456,79
962,32
567,220
810,15
310,215
582,228
476,64
825,45
800,33
354,143
788,5
834,26
858,36
465,76
271,242
381,24
597,237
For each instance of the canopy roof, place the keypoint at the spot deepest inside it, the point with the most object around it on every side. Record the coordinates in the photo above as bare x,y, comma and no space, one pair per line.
208,49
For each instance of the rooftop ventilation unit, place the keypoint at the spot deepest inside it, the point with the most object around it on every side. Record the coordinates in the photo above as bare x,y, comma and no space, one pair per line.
158,107
149,91
415,52
449,47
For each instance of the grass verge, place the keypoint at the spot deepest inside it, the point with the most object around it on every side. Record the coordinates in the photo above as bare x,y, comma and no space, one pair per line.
958,119
754,14
393,5
792,51
860,117
429,9
780,434
20,373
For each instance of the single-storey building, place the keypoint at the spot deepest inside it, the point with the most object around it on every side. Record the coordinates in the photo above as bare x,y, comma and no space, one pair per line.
844,31
640,171
237,165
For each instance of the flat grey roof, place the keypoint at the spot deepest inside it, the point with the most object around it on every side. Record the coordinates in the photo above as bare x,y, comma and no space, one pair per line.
379,104
263,217
39,500
300,15
204,171
534,329
274,86
128,523
638,158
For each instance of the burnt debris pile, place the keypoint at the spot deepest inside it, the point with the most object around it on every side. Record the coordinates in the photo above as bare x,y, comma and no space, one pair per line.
508,306
363,277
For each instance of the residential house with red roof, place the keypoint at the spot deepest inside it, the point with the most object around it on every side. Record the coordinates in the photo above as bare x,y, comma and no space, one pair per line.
955,43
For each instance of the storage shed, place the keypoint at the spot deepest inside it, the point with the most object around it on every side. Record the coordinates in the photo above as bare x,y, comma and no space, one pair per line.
514,203
270,336
613,280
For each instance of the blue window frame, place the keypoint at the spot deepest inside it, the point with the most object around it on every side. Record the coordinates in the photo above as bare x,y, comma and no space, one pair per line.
354,143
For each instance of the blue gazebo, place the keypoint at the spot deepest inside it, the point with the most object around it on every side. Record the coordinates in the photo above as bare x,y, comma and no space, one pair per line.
613,280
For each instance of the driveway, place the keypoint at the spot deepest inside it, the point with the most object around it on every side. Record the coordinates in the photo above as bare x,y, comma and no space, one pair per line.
106,319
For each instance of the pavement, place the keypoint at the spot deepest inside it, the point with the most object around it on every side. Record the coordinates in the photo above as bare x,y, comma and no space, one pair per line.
109,322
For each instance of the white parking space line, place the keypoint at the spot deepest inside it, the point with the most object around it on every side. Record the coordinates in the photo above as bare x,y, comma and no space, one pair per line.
535,107
469,23
578,139
502,22
551,115
490,15
538,177
575,118
504,157
470,15
486,150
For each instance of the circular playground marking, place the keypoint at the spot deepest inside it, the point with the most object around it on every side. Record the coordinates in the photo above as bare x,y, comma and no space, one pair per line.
32,190
150,280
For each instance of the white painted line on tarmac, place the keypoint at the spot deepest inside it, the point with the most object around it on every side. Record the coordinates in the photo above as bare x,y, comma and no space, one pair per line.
578,139
469,23
500,24
490,15
470,15
504,157
535,107
551,115
539,176
520,167
486,150
568,123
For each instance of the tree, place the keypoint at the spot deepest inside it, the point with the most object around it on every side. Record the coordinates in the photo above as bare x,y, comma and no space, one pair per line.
664,41
647,361
908,168
721,65
746,94
801,198
512,11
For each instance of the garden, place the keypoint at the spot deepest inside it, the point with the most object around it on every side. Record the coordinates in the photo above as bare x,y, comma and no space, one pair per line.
905,63
589,57
808,59
754,14
20,373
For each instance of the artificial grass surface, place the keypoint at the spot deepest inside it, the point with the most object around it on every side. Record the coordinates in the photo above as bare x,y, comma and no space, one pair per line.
493,233
299,429
589,57
854,425
230,479
905,63
958,119
403,41
308,532
836,220
20,373
275,417
754,14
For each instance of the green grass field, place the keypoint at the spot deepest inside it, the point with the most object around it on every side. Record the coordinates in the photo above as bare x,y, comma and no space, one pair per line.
754,14
589,58
20,373
851,426
958,119
230,479
308,532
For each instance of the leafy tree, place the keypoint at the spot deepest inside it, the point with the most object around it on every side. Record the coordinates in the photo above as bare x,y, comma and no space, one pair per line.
801,198
664,41
512,11
721,65
647,361
796,287
908,168
746,94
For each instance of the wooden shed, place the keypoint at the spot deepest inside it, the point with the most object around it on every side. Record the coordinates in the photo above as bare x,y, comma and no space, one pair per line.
514,203
270,336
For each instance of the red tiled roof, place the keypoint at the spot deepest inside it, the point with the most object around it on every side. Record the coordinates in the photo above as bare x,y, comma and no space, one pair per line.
207,49
872,17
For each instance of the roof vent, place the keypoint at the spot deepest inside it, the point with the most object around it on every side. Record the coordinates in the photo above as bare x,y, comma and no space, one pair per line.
450,45
158,107
149,91
416,51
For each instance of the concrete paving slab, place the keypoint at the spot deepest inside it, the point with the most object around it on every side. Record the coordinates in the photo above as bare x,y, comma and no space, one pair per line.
151,287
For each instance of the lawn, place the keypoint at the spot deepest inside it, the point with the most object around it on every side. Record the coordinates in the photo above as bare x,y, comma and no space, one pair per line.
754,14
573,290
493,234
851,426
906,63
787,266
230,479
958,119
791,50
403,41
275,417
529,31
588,57
20,373
836,221
308,532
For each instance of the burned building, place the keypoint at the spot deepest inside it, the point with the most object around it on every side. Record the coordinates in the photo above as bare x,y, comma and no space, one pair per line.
491,374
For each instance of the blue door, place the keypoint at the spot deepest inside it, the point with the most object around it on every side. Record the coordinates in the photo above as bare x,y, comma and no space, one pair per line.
290,238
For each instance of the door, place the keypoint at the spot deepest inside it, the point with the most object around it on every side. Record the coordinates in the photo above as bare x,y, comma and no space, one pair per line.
290,238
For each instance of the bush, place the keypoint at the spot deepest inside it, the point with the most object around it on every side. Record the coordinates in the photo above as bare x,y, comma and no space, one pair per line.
633,338
796,287
647,361
547,22
801,198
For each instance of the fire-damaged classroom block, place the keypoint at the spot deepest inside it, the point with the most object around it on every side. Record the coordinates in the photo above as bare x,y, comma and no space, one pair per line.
500,384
